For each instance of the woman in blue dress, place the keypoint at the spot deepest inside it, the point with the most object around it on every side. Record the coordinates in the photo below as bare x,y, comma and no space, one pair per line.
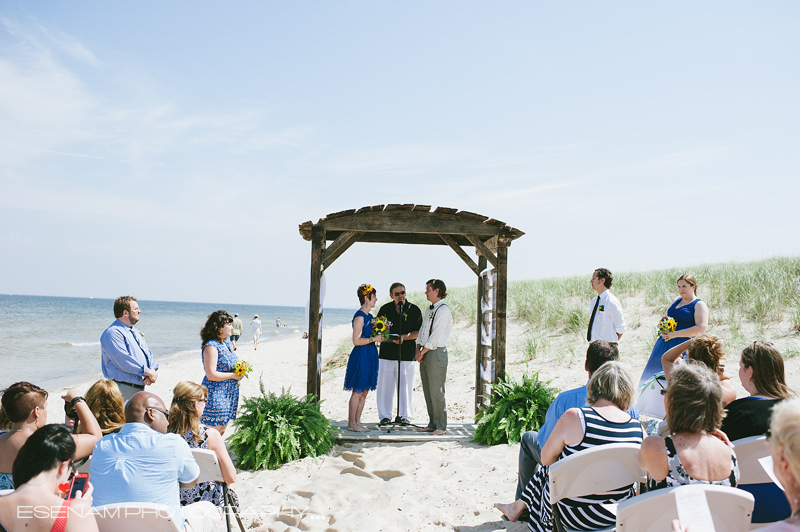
362,366
222,382
691,315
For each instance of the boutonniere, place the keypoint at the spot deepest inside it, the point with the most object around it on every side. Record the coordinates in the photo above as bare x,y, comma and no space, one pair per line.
140,332
405,315
601,308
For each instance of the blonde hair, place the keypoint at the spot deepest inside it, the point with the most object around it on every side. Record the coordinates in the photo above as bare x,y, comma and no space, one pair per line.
612,381
183,415
694,399
785,428
107,404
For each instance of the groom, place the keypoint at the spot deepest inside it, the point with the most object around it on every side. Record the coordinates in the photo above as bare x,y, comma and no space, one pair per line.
432,355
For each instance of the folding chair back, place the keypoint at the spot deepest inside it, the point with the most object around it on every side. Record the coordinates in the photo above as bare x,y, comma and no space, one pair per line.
6,492
771,503
137,517
654,511
209,465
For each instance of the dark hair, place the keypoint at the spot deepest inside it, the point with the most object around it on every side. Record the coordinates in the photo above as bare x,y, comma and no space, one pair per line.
44,450
709,350
121,304
694,399
364,292
395,285
598,353
438,284
689,278
604,274
20,399
212,330
768,374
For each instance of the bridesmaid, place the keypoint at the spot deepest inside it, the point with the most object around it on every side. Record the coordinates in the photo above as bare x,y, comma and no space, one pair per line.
218,363
691,314
362,366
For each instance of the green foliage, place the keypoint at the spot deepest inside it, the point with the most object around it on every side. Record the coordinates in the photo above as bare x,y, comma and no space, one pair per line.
274,430
518,405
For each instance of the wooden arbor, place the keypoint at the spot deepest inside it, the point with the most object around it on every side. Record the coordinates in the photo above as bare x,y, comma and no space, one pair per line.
416,224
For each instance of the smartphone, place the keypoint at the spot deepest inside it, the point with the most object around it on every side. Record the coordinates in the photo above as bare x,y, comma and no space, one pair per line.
79,482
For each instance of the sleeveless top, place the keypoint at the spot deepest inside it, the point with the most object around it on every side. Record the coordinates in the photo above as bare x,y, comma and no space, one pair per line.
677,475
684,316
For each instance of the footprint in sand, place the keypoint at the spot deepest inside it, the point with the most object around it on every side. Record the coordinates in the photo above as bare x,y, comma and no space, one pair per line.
357,472
350,456
388,474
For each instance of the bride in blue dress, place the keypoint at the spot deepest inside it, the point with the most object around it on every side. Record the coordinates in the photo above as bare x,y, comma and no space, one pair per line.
691,315
362,366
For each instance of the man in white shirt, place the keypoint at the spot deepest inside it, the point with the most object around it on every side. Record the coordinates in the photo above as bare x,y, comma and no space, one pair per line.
432,355
606,322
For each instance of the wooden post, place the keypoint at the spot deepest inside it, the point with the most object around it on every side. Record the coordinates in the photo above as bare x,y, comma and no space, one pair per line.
478,344
500,316
314,375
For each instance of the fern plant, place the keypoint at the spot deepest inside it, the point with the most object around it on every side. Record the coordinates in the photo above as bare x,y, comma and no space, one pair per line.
274,430
518,405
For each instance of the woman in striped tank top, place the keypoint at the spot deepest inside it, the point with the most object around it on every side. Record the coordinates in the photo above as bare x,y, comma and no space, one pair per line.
610,392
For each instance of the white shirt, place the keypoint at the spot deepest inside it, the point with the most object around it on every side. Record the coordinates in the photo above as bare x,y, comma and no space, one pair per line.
256,326
608,321
436,336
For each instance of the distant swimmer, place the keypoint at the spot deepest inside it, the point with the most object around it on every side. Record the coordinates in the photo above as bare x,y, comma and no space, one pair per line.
256,323
278,322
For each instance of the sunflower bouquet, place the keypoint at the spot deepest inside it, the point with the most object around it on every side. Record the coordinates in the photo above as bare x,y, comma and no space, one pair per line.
667,324
242,368
381,326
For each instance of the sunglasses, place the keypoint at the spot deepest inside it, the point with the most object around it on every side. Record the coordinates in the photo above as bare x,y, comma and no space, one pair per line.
399,293
165,412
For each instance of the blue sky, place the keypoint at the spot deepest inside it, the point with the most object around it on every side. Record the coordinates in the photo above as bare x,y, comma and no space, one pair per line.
170,150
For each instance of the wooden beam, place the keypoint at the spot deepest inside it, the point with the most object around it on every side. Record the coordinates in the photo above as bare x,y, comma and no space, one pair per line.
339,246
412,221
314,373
499,352
482,249
461,253
478,346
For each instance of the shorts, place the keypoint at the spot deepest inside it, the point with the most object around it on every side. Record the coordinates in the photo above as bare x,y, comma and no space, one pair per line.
235,337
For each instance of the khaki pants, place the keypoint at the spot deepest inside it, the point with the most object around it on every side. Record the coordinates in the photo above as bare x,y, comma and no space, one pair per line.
433,372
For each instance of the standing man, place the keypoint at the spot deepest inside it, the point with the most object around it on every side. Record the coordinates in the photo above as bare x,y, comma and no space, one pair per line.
237,330
606,322
256,323
432,355
398,355
125,357
278,322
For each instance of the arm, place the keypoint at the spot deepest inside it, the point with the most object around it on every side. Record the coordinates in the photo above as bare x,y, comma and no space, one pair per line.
217,444
210,366
616,317
358,326
728,393
189,471
568,431
81,518
653,458
700,324
668,359
91,433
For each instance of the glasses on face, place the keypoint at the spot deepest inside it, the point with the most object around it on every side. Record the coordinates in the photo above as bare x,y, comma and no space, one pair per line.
166,413
400,293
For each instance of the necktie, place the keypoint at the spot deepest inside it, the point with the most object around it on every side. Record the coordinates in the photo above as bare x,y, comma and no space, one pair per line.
591,321
146,354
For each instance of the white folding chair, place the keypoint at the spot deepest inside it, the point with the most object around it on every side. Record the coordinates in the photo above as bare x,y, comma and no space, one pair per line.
654,511
771,503
6,492
136,517
210,470
594,471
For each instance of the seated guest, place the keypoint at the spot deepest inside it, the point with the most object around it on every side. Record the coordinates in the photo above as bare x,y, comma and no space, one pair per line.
532,442
41,465
25,405
141,463
696,452
188,401
784,445
107,404
706,349
610,392
762,375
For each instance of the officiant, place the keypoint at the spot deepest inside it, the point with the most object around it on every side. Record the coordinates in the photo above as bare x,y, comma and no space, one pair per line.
406,320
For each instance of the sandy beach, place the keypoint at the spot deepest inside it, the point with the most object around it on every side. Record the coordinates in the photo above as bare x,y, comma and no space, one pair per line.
409,486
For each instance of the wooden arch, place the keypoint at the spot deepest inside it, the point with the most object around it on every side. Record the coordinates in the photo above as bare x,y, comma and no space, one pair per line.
417,224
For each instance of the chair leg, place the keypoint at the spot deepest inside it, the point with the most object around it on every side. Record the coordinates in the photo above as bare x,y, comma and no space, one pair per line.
226,505
229,506
558,526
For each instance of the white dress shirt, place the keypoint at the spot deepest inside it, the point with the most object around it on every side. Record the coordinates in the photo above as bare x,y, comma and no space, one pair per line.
608,322
435,336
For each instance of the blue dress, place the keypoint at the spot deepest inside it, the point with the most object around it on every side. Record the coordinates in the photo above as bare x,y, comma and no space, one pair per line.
684,317
223,396
362,366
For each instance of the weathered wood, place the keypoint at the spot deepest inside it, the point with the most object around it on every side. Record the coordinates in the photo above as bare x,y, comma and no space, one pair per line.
403,238
339,246
502,298
313,379
461,253
426,208
478,345
472,216
339,214
413,222
482,249
399,207
446,210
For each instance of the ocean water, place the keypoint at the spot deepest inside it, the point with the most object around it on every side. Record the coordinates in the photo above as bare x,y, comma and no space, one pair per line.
53,341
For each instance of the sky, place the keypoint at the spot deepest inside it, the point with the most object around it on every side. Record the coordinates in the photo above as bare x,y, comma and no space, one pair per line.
171,150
